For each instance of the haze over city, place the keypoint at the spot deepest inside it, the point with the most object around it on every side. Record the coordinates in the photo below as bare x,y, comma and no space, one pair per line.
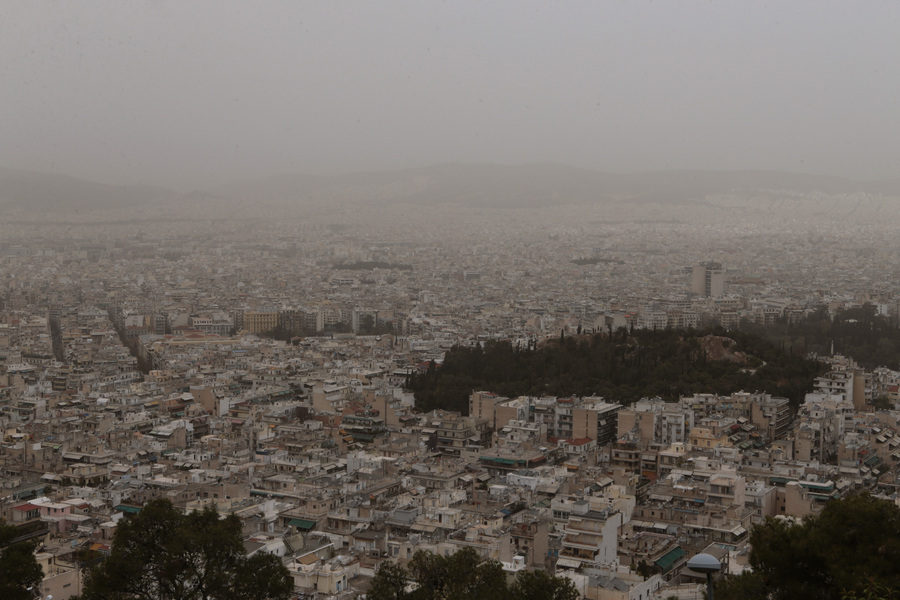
192,95
327,300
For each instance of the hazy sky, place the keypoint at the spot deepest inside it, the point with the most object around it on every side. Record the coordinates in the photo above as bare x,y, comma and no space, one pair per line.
193,93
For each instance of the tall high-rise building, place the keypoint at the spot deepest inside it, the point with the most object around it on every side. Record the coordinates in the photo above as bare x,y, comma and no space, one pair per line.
708,279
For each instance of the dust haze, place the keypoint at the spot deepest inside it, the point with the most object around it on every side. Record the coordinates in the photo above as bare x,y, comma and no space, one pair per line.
195,95
507,139
261,258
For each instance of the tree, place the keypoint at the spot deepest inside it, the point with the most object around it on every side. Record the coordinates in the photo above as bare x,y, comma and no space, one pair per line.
645,569
463,576
746,585
389,583
19,570
366,324
883,403
262,576
849,550
623,368
540,585
872,591
161,554
460,576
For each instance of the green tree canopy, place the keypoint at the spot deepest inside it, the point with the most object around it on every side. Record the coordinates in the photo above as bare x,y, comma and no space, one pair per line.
162,554
540,585
463,576
849,549
19,570
620,366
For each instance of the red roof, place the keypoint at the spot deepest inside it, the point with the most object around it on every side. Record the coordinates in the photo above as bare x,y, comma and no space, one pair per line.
26,507
579,441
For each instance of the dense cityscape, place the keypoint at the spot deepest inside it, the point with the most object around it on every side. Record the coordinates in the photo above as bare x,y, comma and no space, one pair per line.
262,367
508,300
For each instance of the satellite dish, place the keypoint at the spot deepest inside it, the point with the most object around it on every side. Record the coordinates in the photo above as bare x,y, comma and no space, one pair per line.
704,563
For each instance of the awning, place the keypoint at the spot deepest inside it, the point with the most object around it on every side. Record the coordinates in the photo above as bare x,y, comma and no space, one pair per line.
668,559
303,524
568,563
498,460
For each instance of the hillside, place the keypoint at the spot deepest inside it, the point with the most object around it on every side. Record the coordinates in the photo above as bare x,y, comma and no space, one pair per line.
46,192
682,196
621,367
538,185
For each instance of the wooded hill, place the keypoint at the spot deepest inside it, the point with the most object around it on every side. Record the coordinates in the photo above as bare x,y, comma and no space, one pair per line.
872,340
621,366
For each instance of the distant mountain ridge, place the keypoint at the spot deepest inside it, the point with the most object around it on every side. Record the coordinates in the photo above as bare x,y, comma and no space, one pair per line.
539,184
36,191
476,185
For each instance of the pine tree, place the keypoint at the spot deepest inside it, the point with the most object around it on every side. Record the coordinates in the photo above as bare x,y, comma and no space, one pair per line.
19,570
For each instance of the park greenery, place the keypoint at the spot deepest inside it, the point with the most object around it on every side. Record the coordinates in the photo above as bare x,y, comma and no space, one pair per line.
20,573
849,550
626,365
464,576
872,340
163,554
621,366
